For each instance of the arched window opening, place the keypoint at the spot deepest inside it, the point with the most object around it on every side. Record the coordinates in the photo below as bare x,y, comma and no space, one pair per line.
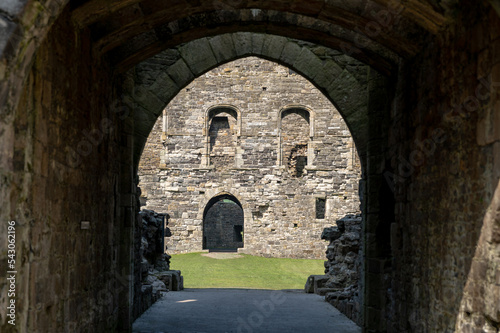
223,224
295,134
222,132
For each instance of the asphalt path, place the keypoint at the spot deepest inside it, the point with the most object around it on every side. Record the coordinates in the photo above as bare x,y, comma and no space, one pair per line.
242,311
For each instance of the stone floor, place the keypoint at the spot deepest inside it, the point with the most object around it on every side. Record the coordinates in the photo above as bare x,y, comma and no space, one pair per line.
242,311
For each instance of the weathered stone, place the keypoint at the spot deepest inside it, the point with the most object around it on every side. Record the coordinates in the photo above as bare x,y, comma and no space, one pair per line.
147,298
320,282
173,280
180,73
331,233
154,262
309,287
155,283
290,52
343,266
198,56
323,291
312,282
236,149
60,77
242,43
223,46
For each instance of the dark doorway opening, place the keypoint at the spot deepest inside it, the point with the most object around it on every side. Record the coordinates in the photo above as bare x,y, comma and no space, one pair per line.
238,233
223,224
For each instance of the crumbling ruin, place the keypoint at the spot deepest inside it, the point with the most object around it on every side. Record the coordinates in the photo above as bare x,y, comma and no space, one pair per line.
340,284
153,275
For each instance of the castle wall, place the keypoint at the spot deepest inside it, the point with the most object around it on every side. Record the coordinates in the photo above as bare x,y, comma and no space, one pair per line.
262,133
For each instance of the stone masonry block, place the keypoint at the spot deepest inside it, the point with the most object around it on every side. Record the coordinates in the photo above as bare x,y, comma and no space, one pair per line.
324,291
348,94
164,89
12,7
492,305
242,43
143,120
223,47
147,99
290,53
257,43
198,56
331,71
180,73
308,63
173,280
319,283
309,287
273,46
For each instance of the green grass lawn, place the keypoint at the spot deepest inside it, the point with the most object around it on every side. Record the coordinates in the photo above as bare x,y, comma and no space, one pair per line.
246,272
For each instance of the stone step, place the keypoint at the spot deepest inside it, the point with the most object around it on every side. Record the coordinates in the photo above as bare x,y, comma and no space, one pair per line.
314,282
173,280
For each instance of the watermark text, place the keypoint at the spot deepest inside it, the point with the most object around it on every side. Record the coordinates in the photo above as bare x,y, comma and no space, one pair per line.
11,272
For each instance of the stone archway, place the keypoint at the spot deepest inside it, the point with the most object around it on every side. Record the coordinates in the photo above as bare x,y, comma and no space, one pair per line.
345,89
223,224
63,136
348,91
260,90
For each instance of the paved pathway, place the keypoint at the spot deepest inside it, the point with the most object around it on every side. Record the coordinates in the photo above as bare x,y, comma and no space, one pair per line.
242,311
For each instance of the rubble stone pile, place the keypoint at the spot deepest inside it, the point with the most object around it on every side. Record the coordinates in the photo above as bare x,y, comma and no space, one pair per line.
154,274
340,284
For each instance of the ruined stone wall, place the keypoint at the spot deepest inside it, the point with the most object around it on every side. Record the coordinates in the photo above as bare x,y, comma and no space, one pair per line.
149,258
278,145
343,266
340,284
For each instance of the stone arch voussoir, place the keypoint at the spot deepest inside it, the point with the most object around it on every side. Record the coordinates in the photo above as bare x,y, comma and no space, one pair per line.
347,92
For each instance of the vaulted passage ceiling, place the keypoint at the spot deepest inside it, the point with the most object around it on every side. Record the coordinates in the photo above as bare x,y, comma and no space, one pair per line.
375,32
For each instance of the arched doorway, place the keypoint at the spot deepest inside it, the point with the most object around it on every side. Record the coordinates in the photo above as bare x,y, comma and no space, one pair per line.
223,224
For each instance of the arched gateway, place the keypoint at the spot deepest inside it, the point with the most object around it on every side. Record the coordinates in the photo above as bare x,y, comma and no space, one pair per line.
223,224
78,101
